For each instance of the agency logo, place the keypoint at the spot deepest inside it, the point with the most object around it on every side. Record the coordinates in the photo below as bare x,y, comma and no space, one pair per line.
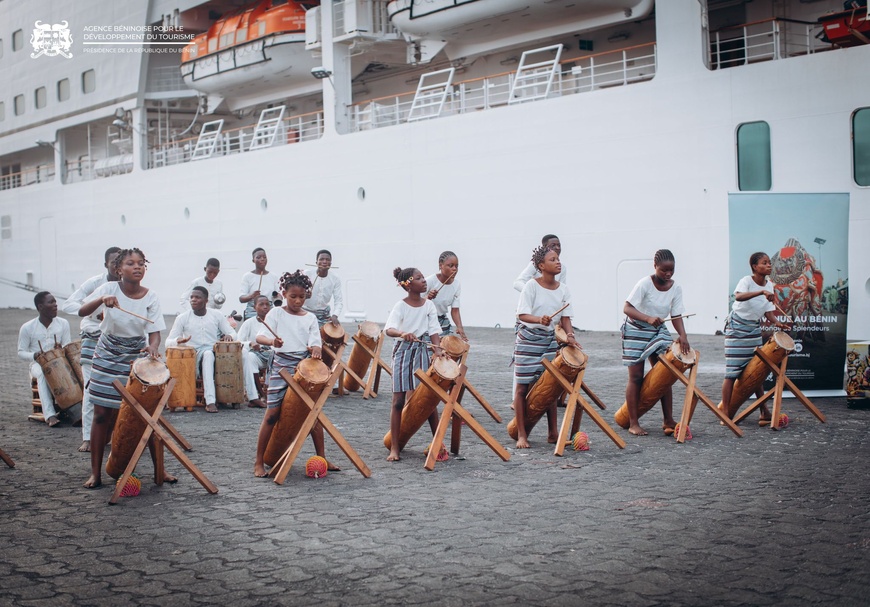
51,40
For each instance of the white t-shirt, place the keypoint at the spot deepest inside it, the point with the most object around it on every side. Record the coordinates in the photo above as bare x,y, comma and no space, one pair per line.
121,324
251,281
530,272
213,289
418,321
650,301
448,295
249,330
755,308
297,332
204,331
325,289
538,301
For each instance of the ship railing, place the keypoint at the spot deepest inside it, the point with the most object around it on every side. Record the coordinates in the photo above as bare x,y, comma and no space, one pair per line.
239,140
578,75
79,170
766,40
40,173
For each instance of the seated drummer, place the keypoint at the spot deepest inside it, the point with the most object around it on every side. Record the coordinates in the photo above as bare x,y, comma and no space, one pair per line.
257,355
43,333
201,328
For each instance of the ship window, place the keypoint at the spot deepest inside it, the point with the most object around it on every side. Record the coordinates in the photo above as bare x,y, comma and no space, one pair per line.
861,146
262,28
2,111
753,156
212,45
63,89
226,40
17,40
10,177
40,97
89,81
1,48
6,227
241,35
19,104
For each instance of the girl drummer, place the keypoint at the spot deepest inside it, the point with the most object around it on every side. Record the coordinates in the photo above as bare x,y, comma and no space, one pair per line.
541,307
414,321
753,302
444,293
298,338
122,340
645,335
256,282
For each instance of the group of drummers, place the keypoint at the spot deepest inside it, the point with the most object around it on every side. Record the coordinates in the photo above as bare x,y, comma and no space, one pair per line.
287,316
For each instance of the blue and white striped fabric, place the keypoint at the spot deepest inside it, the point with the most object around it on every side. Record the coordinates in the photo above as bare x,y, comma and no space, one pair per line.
532,345
641,340
741,338
113,358
277,385
446,328
323,316
408,356
89,344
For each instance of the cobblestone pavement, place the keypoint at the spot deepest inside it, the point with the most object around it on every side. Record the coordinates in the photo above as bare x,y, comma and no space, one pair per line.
770,518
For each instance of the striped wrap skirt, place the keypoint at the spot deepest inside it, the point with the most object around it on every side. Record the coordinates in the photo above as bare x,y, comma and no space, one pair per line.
533,344
741,338
89,344
641,340
446,328
113,358
408,356
323,316
277,386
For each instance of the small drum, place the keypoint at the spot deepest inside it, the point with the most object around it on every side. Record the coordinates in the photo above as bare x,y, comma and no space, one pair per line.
229,380
561,336
62,381
546,390
424,401
368,333
73,353
332,336
454,347
656,383
312,375
147,382
181,361
777,348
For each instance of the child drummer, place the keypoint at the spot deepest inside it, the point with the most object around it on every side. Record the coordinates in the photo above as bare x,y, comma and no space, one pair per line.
257,282
444,290
326,288
544,302
213,287
257,356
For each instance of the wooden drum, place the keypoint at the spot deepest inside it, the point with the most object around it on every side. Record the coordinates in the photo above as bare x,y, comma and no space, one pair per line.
544,392
147,382
332,336
312,375
62,381
454,347
656,383
73,352
777,348
368,333
424,401
181,361
229,380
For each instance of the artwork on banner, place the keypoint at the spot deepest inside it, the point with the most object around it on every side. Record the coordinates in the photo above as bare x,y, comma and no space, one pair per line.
806,237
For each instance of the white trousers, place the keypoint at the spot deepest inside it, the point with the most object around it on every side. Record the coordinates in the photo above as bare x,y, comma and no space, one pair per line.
87,405
248,369
45,397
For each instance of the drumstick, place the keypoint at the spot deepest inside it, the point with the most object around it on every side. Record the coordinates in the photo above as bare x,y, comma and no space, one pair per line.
445,282
260,286
680,316
120,309
40,345
260,320
430,346
786,314
560,309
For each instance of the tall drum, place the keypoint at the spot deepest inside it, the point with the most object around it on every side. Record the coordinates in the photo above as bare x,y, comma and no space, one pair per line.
181,361
332,336
73,353
656,383
777,348
229,380
368,333
312,375
147,383
424,401
546,390
62,381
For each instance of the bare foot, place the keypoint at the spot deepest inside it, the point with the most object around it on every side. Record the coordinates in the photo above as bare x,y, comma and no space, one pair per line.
211,408
636,430
52,421
257,404
86,447
523,443
92,482
260,471
332,467
668,428
393,456
168,478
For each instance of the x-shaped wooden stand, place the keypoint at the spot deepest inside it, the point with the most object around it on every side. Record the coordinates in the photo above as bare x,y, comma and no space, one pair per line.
456,412
282,467
575,398
456,428
165,434
376,365
337,362
693,394
6,459
776,392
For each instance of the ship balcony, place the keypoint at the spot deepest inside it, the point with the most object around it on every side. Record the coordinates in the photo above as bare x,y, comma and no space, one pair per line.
766,40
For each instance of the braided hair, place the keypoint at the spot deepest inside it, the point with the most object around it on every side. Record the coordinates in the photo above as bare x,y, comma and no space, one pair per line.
538,255
296,279
403,276
123,254
445,255
756,257
663,256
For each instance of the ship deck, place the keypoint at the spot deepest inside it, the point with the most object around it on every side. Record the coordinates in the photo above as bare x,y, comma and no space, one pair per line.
770,518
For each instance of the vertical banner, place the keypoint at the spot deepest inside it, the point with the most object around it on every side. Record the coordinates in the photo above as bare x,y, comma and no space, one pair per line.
806,237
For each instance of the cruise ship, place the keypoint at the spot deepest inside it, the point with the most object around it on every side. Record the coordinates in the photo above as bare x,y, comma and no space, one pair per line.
389,131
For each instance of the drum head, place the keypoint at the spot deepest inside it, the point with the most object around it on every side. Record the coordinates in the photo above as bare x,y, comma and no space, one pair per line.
454,346
73,346
784,341
150,371
561,336
46,356
313,371
369,329
574,357
446,367
335,333
687,359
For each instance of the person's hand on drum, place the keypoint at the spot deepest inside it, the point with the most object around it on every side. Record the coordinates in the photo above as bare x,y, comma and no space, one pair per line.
461,333
334,320
227,338
546,320
315,352
110,301
684,344
151,350
183,339
573,342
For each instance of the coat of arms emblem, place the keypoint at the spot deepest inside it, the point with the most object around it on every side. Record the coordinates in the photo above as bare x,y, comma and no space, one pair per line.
51,40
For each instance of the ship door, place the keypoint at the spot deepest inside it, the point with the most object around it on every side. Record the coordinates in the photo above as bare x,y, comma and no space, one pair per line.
47,254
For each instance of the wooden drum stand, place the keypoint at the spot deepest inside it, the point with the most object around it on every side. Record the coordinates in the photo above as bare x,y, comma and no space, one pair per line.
6,459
